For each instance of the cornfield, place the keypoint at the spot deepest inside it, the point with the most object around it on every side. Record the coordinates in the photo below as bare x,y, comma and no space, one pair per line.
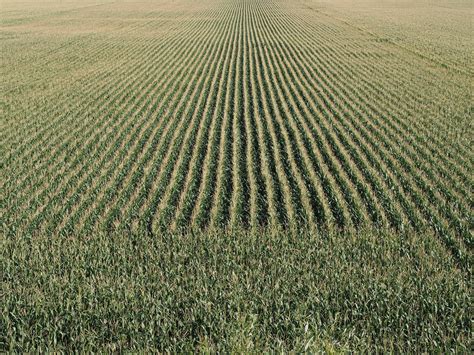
238,119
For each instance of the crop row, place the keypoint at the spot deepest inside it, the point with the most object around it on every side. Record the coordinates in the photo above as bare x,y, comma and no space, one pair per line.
248,113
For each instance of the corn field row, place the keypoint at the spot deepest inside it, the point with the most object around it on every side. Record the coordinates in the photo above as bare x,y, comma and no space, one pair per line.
252,113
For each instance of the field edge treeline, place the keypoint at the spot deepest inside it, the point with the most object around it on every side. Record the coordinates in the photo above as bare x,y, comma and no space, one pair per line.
234,290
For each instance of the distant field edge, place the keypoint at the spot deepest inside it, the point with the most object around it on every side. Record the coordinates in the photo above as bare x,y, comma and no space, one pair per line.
235,290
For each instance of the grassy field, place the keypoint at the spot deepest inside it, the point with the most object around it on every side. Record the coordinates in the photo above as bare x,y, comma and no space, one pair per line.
236,175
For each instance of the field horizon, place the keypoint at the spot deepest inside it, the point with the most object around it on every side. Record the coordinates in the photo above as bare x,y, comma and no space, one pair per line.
140,121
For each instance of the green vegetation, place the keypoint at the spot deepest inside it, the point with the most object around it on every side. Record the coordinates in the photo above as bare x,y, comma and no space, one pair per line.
233,290
238,175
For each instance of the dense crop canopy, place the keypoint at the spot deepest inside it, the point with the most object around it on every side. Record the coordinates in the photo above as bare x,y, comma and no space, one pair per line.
143,117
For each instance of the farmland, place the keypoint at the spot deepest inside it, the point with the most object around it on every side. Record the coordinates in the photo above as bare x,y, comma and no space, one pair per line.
236,138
